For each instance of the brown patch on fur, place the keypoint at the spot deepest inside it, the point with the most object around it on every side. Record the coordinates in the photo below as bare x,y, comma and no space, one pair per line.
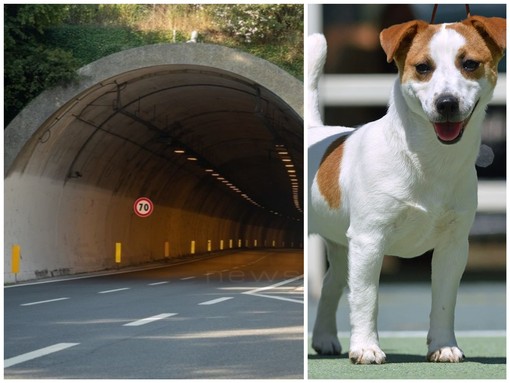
417,53
407,44
485,43
328,174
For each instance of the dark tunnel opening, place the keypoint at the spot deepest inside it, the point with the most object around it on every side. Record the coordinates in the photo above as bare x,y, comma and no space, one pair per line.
219,154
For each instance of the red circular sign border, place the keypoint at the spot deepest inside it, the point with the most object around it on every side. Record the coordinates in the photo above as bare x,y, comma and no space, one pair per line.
144,199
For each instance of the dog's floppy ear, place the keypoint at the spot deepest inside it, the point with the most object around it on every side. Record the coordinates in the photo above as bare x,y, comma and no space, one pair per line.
492,28
399,36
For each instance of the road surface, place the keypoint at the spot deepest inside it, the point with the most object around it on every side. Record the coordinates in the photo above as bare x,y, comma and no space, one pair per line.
235,315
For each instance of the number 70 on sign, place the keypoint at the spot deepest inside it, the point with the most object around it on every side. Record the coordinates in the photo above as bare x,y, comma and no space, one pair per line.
143,207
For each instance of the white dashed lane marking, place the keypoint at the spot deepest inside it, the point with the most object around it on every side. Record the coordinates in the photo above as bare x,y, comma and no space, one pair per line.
214,301
37,354
41,302
158,283
154,318
113,291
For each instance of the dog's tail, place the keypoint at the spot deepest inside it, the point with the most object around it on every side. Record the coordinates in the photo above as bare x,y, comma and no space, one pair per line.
317,49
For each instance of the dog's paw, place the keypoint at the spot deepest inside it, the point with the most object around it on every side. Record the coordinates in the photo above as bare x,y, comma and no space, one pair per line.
446,354
326,345
367,355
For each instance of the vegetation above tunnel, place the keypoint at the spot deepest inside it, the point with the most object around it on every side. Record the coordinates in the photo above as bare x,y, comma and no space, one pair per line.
45,44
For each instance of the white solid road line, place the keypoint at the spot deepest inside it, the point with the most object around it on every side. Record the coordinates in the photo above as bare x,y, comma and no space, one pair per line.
256,292
116,272
214,301
37,354
186,278
113,291
154,318
41,302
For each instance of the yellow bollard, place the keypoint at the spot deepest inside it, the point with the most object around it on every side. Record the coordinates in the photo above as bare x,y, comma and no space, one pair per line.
167,249
16,257
118,252
209,246
192,247
221,244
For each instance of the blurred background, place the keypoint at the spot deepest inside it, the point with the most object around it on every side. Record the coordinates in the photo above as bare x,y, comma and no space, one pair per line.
355,89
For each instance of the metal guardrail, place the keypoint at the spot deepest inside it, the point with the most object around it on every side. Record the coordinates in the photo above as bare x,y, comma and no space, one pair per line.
374,89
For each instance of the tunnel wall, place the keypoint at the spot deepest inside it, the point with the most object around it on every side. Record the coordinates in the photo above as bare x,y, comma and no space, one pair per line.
68,226
78,228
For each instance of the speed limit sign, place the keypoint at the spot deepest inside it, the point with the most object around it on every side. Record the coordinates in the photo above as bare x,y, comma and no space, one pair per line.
143,207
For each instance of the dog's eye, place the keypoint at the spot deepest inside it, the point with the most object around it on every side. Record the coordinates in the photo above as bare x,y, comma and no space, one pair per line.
470,65
423,68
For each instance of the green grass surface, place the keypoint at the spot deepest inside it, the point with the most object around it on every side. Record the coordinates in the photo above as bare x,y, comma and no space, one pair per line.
405,359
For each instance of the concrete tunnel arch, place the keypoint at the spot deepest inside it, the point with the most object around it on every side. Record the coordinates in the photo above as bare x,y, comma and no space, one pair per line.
213,136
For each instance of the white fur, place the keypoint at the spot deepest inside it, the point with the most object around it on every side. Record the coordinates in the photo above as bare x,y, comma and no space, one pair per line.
403,193
316,58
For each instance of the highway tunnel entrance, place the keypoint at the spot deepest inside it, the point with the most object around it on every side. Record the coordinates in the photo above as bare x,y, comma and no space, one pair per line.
212,136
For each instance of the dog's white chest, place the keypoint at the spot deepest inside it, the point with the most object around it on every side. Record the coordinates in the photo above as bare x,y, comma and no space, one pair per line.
419,228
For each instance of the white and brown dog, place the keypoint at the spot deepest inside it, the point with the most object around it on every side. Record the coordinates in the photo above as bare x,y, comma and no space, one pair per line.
406,183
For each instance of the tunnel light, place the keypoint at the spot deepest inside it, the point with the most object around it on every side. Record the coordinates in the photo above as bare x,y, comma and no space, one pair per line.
192,159
209,170
179,151
291,172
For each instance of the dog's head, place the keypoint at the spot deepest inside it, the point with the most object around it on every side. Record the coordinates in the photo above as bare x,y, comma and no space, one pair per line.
447,71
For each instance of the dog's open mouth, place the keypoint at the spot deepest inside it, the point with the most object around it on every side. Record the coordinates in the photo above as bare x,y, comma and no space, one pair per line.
449,132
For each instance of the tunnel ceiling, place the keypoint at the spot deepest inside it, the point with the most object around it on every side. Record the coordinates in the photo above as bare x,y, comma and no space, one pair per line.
216,125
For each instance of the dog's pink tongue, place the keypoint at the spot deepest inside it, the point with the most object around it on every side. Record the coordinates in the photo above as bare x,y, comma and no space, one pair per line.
448,131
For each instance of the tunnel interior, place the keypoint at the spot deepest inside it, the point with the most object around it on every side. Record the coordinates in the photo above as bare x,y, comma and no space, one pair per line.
219,155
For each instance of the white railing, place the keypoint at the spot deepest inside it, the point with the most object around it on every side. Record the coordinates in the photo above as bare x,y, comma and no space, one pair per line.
374,89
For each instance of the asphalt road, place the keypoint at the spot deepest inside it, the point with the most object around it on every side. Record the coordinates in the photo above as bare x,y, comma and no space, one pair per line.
237,315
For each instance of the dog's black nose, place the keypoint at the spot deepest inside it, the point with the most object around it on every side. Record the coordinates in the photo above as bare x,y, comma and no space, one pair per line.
447,105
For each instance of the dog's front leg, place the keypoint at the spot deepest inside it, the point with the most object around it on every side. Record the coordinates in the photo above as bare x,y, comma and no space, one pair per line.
365,262
448,263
